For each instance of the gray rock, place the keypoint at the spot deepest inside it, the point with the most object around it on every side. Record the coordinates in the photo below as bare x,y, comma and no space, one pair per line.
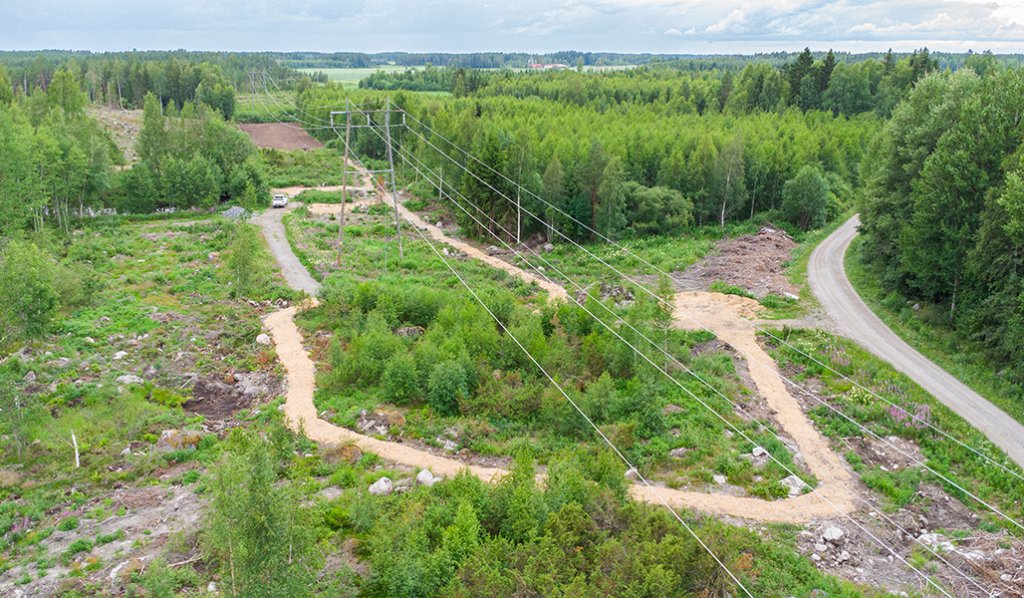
632,474
128,379
263,339
404,485
794,484
548,247
492,250
425,478
669,409
235,212
719,479
821,548
120,355
759,452
382,487
330,493
678,453
815,557
176,440
30,377
832,534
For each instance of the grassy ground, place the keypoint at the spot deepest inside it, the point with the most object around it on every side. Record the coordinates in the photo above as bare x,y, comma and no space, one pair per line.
925,330
158,304
350,77
898,485
258,107
318,167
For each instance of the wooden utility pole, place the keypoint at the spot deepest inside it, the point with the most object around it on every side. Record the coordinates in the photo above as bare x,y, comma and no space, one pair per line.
391,169
344,181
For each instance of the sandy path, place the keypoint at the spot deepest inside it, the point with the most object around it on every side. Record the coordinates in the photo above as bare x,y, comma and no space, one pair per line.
555,291
300,412
727,316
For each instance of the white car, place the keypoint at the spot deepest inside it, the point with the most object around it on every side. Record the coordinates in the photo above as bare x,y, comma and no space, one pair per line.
279,201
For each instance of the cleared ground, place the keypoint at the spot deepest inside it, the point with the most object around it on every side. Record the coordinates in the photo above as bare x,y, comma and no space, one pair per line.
282,136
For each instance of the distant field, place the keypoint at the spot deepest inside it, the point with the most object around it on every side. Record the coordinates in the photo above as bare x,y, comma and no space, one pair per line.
351,77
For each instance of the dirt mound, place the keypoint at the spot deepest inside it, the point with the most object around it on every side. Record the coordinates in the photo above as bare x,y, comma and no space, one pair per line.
281,136
753,262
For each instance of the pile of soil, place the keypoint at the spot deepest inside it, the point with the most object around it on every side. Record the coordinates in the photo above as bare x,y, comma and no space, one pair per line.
753,262
280,136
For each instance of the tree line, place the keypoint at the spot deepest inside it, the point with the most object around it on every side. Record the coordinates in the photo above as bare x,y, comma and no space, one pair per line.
943,209
122,79
636,170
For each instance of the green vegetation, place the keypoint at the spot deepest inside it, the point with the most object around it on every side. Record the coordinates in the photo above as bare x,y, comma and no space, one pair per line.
927,329
455,376
899,485
940,212
637,170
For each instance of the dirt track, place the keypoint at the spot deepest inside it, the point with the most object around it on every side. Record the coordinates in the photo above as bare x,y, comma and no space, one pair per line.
726,315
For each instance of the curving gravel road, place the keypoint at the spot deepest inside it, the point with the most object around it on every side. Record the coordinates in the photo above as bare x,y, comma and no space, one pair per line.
827,277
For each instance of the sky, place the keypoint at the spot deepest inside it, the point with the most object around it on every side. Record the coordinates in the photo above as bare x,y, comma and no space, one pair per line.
533,26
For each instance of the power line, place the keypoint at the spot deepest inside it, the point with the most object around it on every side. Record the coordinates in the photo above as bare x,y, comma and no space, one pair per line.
892,551
579,410
919,420
655,296
695,375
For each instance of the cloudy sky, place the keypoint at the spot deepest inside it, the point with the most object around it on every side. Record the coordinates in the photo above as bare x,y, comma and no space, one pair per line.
659,26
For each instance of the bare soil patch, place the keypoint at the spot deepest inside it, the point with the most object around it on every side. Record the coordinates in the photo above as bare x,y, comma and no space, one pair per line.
124,127
219,398
753,262
282,136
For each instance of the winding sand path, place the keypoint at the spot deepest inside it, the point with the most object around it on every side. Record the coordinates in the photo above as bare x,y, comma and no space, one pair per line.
727,316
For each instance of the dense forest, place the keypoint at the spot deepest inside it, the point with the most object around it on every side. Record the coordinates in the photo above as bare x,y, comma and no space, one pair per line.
122,79
943,209
601,164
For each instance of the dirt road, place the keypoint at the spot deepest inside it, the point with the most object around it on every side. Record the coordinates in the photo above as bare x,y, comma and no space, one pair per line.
726,315
827,277
295,274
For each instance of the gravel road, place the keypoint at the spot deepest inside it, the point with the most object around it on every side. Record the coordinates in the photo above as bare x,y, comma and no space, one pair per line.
854,319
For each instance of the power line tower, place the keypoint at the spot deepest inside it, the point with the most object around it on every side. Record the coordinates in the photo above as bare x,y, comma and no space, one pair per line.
365,120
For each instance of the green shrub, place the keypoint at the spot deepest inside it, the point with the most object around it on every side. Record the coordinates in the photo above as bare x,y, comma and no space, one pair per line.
67,524
447,385
399,379
77,547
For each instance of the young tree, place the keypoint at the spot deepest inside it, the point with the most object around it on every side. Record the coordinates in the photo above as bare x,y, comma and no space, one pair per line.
805,198
243,260
152,144
28,290
610,216
255,529
732,190
552,189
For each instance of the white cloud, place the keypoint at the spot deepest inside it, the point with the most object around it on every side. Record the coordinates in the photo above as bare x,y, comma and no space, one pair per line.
526,25
734,18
